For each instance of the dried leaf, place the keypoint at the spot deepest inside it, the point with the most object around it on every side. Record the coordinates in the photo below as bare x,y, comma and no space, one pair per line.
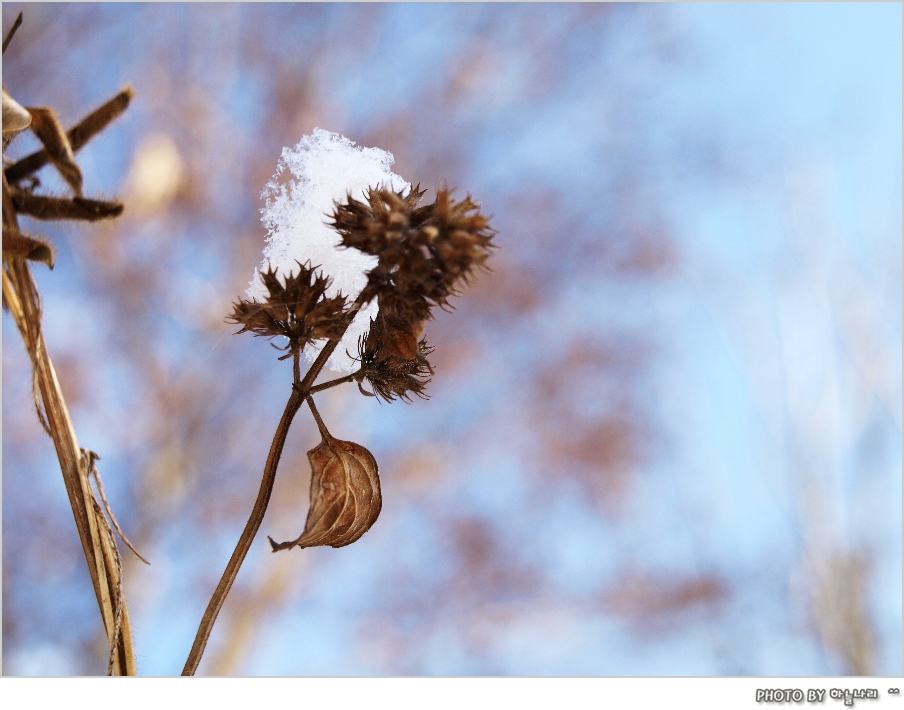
18,244
50,208
46,126
345,495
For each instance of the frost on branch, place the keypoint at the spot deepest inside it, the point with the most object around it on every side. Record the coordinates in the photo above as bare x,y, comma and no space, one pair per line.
310,178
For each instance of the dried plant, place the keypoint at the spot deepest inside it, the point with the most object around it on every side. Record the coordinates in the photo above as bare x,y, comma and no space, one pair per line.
22,300
396,261
345,493
384,262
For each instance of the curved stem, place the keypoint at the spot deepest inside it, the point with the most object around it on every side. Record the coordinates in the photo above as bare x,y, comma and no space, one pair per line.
244,543
300,391
320,425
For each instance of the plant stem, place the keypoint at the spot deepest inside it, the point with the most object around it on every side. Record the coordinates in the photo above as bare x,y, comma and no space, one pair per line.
300,391
251,528
332,383
21,296
320,425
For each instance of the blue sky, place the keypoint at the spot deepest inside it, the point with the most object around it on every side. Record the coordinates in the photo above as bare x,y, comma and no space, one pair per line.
761,144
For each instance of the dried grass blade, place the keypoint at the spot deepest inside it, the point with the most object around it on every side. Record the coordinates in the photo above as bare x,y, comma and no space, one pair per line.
11,301
46,126
50,208
21,293
92,469
16,244
78,135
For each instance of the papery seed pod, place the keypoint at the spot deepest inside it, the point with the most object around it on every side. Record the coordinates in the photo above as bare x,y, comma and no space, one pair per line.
16,244
345,494
15,117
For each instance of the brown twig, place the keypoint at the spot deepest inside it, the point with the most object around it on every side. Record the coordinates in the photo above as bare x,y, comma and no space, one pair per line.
324,432
333,383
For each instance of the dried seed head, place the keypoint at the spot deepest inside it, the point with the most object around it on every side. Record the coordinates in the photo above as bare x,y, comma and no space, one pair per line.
296,309
425,253
322,168
393,361
345,494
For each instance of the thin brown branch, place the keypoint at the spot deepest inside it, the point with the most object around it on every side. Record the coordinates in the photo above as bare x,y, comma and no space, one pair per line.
305,385
300,391
333,383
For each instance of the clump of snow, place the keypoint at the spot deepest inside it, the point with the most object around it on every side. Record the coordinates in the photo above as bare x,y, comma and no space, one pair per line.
325,167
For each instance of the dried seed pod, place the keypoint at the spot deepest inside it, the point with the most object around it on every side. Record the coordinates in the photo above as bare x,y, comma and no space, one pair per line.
345,494
392,360
78,135
16,244
15,117
53,208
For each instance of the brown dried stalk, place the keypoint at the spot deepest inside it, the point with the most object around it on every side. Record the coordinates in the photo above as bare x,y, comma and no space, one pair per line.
21,298
300,390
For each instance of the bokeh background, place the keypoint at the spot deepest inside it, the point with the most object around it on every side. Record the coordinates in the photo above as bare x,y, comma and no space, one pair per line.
664,436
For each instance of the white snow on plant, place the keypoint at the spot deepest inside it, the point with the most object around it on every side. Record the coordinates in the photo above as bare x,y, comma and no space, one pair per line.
324,168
